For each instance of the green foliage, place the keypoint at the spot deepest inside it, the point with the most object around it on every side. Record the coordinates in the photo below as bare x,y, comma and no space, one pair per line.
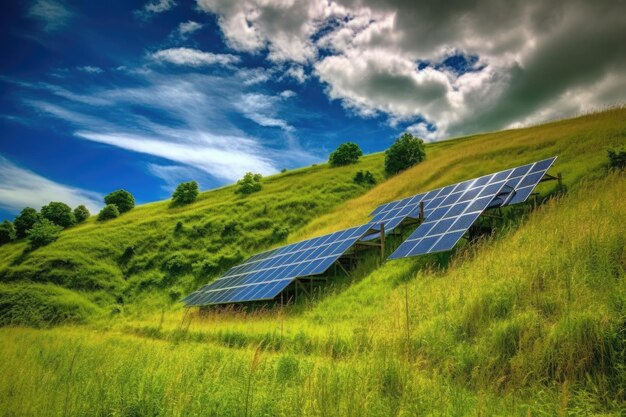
405,152
185,193
110,211
81,213
122,199
617,159
250,183
345,154
282,171
42,305
364,178
43,233
25,220
7,232
499,328
59,214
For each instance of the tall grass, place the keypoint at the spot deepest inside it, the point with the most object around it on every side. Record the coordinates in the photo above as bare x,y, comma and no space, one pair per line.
527,321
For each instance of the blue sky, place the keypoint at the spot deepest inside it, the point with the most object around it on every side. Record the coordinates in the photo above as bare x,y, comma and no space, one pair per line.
143,95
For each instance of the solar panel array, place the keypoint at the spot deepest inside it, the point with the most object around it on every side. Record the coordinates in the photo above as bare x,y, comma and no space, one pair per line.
265,275
450,211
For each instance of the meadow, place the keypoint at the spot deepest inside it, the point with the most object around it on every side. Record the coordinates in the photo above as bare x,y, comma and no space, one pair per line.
530,320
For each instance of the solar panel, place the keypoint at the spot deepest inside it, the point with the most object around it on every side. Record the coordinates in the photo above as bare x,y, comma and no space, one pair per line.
263,276
450,211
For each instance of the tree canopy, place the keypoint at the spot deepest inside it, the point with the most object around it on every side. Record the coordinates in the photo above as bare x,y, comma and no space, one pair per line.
345,154
24,221
122,199
58,213
250,183
185,193
405,152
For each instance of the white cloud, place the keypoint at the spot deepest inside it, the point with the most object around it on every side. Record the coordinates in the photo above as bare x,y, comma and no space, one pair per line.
187,28
283,27
193,57
91,69
287,94
54,15
21,188
366,53
295,72
188,123
224,157
262,109
158,6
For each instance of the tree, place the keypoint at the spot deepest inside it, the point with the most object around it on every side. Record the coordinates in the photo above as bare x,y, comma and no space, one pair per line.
185,193
81,214
405,152
7,232
43,233
24,221
250,183
110,211
59,214
347,153
122,199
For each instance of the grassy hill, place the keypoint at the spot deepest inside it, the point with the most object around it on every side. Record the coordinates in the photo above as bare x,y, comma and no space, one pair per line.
528,321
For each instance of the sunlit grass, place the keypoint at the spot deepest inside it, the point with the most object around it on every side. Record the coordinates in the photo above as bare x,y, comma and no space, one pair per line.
527,321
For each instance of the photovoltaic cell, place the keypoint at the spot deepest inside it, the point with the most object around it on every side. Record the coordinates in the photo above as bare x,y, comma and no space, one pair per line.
265,275
450,211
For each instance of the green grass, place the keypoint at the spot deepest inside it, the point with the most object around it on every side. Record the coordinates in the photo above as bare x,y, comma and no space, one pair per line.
528,321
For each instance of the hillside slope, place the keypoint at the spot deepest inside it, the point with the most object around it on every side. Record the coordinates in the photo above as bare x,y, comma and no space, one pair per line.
528,321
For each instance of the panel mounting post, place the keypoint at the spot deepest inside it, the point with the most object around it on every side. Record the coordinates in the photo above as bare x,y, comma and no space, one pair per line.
382,241
421,211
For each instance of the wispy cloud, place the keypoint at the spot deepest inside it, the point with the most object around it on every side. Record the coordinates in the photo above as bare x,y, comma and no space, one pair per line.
262,109
192,57
187,28
154,7
21,188
91,69
53,15
184,119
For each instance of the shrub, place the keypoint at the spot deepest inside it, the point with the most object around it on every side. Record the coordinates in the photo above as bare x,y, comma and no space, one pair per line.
282,171
43,233
617,159
81,214
176,263
364,178
347,153
7,232
26,219
110,211
185,193
405,152
59,214
250,183
122,199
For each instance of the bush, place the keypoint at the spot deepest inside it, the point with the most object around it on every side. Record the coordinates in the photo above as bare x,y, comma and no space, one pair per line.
279,233
110,211
185,193
347,153
617,159
26,219
122,199
59,214
405,152
43,233
81,214
7,232
364,178
250,183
